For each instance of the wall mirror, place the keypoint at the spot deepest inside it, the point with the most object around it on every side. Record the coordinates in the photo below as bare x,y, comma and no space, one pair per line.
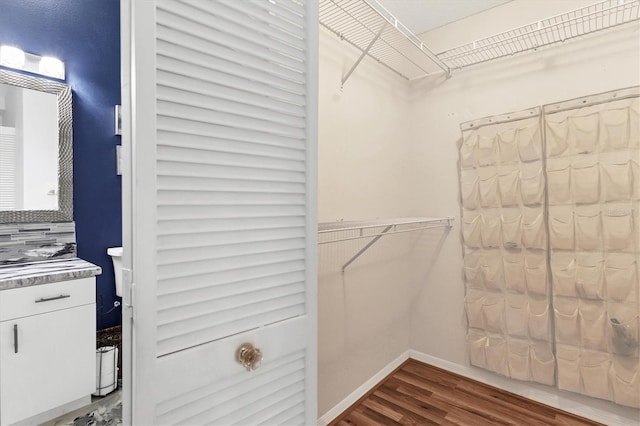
36,160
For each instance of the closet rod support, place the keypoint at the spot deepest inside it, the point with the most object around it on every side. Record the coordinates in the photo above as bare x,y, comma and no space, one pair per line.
365,248
362,55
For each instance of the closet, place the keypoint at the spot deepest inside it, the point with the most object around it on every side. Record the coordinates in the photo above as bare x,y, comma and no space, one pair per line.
486,298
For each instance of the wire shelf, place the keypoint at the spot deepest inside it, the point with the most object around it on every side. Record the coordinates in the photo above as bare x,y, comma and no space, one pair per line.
369,27
596,17
333,232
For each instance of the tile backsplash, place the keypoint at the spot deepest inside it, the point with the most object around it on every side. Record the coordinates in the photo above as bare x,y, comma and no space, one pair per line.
36,242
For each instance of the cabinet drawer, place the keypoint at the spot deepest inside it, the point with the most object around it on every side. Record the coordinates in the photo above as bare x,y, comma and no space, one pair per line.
38,299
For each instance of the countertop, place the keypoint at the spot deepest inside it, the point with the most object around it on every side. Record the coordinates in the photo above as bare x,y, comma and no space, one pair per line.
29,274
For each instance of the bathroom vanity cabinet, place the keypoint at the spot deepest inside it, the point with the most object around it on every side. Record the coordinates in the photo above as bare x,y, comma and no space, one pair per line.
47,348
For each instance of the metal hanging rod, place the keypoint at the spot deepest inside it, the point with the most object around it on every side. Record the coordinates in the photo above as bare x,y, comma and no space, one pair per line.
376,229
369,27
575,23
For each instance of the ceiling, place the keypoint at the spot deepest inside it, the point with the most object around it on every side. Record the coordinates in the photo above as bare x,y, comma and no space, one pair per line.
424,15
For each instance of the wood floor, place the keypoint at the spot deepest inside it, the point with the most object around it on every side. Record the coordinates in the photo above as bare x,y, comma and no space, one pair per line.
420,394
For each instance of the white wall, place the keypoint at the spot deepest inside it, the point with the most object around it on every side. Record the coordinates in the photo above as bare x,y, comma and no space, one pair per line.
364,173
573,69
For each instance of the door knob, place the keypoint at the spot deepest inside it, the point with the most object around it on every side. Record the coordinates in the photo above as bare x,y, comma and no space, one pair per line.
249,356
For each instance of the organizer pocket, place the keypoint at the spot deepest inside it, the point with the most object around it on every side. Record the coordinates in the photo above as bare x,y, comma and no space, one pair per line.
621,277
489,192
491,265
561,228
468,150
518,358
542,364
635,179
625,381
508,184
529,143
512,231
472,272
585,184
477,342
557,138
471,231
493,313
533,233
623,329
616,181
539,328
514,272
508,146
473,305
496,351
593,319
490,231
564,271
618,230
568,371
559,181
566,321
584,133
487,151
590,278
615,128
532,188
594,370
535,268
469,190
634,124
517,313
588,231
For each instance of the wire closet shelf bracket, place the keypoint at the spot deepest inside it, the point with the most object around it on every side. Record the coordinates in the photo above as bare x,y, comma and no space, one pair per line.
578,22
334,232
370,28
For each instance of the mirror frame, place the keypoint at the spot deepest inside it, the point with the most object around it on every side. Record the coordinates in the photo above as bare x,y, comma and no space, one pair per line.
65,150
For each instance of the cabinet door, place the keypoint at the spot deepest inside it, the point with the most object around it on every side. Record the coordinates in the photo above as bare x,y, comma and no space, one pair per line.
52,364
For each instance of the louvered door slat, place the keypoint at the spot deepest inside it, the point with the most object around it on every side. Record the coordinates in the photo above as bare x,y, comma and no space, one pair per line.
204,282
262,24
190,127
222,225
224,95
184,54
229,146
172,69
278,66
227,290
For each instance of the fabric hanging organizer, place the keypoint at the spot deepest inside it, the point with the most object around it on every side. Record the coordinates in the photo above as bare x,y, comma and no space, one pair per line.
507,299
551,232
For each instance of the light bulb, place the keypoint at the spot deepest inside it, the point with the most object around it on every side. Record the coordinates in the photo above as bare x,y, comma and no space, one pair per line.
52,67
11,57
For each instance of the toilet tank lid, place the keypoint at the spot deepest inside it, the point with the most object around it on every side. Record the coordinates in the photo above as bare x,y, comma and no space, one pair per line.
114,251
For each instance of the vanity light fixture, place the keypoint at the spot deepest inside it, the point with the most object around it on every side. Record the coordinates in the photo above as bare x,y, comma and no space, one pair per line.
12,57
51,67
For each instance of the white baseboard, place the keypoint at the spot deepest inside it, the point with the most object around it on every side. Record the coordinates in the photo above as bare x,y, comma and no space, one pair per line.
362,390
595,409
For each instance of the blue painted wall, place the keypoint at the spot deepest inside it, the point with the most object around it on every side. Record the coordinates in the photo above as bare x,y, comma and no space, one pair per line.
85,34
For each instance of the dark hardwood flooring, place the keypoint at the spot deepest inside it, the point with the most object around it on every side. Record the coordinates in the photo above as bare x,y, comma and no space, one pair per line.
420,394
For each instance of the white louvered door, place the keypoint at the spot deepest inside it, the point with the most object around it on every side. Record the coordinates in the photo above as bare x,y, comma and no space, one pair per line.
222,101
